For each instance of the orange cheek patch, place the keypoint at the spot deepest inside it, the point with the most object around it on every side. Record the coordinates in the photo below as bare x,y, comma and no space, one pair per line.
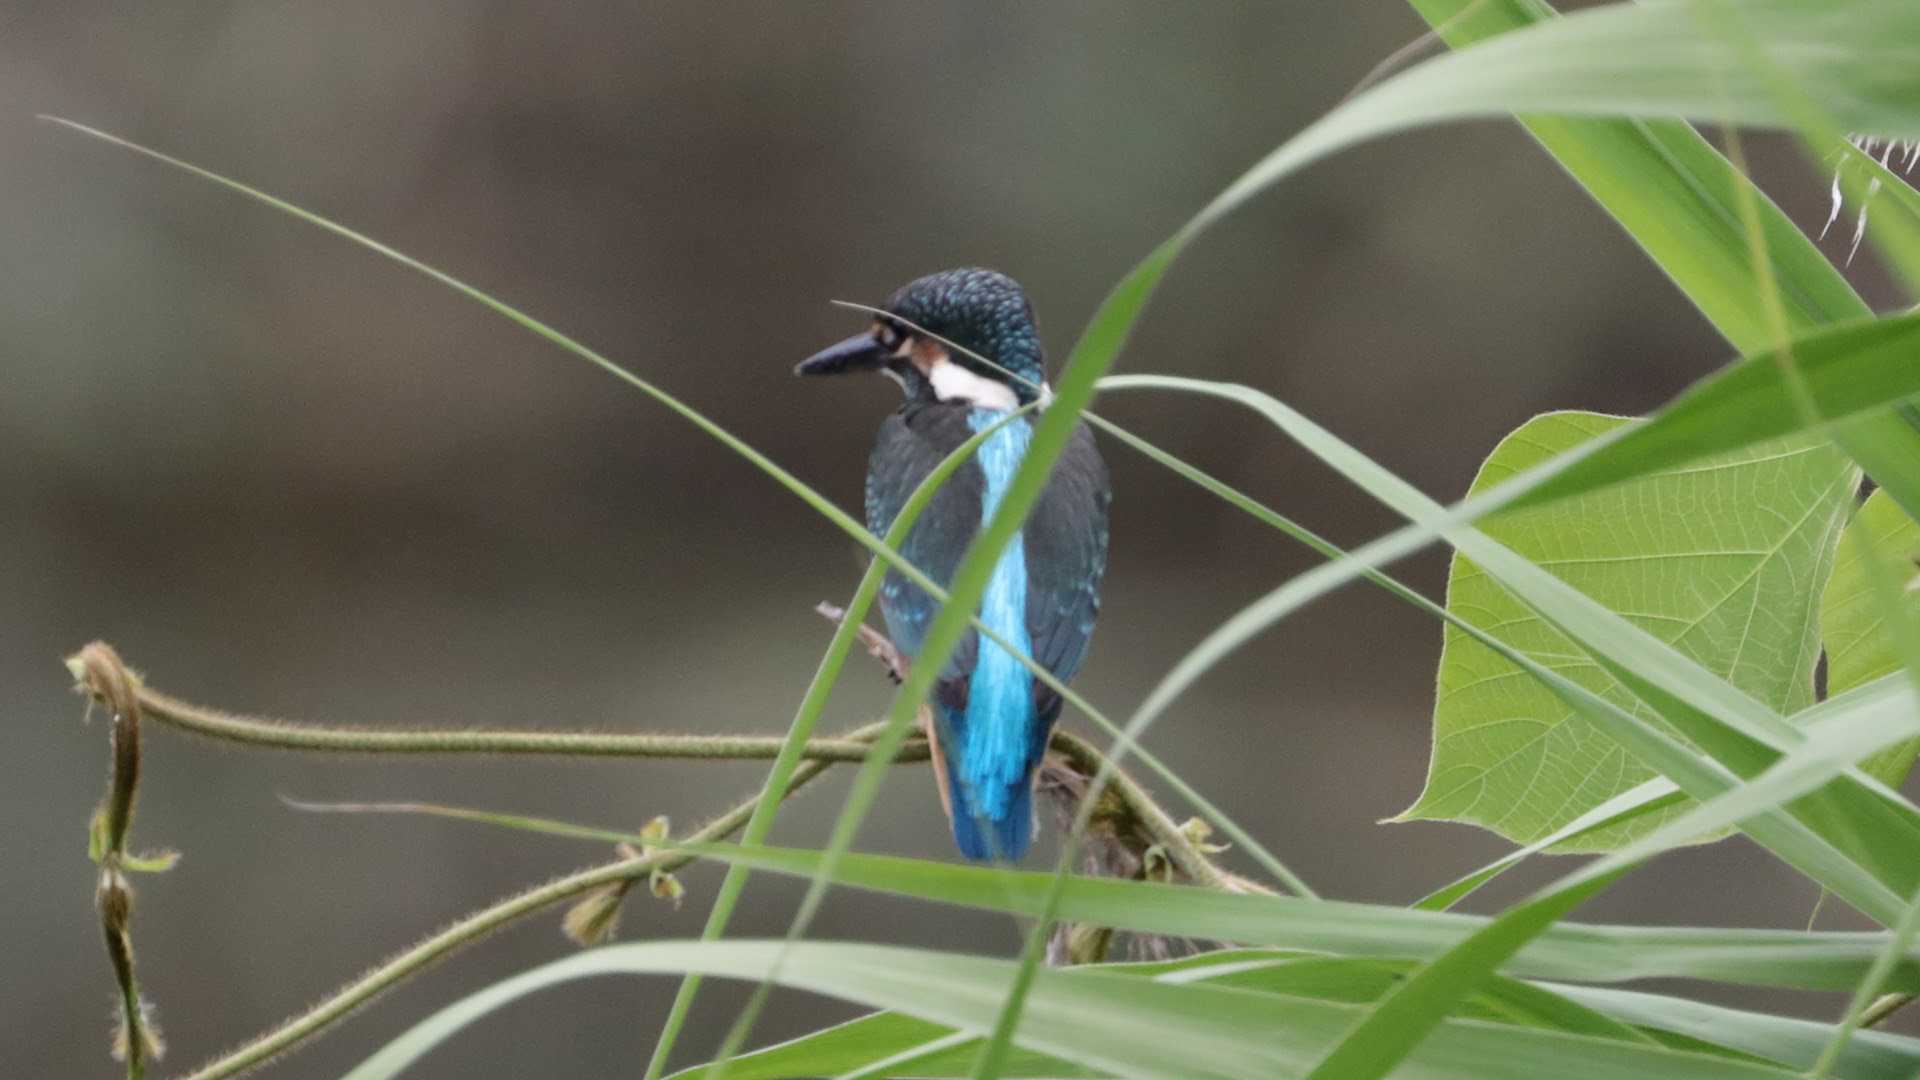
926,355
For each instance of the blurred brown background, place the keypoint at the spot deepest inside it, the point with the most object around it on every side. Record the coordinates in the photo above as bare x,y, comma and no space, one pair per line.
285,476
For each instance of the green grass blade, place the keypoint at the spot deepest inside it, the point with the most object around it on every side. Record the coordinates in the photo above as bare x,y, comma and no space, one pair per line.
1852,370
1851,731
1406,1017
857,1046
868,1042
1895,206
1602,1011
1638,60
1403,1018
1792,1042
1870,987
1674,194
1849,369
1574,952
1684,690
1684,203
1706,708
521,822
805,721
1108,1021
1652,796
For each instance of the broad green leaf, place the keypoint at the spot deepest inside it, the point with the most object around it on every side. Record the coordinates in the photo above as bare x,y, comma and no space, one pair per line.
1859,839
1102,1020
1850,368
1857,649
1717,559
1857,836
1818,721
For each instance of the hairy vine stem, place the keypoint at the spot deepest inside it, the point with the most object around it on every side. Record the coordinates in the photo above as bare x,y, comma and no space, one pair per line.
277,734
99,670
1133,829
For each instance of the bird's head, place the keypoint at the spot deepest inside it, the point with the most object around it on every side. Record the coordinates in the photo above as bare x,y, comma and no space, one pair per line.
979,310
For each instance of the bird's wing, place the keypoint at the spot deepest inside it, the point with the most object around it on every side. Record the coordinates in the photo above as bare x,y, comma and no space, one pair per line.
1066,542
912,443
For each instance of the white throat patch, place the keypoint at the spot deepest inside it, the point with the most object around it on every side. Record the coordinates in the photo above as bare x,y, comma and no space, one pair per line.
952,382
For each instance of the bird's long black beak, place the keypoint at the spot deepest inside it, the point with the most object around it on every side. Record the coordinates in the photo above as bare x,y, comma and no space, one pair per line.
858,353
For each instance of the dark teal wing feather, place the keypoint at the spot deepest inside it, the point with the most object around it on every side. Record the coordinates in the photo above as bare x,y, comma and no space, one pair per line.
912,442
1066,539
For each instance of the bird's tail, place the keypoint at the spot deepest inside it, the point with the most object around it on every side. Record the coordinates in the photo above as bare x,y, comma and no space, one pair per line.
986,826
1006,836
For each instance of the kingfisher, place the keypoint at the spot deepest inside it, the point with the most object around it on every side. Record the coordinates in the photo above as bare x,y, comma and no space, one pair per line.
992,718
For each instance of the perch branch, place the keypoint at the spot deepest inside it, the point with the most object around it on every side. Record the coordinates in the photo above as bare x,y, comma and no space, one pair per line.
1140,815
287,735
1133,823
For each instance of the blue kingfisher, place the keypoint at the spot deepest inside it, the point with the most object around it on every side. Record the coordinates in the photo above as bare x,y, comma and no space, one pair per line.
993,717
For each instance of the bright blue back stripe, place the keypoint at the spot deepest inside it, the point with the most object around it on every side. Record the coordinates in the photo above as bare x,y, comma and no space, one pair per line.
1000,717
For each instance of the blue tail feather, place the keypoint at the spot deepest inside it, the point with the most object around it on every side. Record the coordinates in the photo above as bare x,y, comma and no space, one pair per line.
1005,836
995,824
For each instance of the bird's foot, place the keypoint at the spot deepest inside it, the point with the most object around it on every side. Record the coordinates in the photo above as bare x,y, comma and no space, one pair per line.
879,646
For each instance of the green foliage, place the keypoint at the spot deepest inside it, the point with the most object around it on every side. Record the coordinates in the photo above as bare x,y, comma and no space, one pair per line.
1602,1012
1715,559
1212,1016
1858,649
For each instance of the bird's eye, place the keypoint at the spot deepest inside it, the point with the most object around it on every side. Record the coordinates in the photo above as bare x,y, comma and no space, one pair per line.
889,336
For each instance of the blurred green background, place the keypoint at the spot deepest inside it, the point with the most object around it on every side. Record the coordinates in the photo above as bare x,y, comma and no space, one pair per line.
284,476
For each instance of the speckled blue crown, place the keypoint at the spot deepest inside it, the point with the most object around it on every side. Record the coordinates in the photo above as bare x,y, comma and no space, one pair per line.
983,310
